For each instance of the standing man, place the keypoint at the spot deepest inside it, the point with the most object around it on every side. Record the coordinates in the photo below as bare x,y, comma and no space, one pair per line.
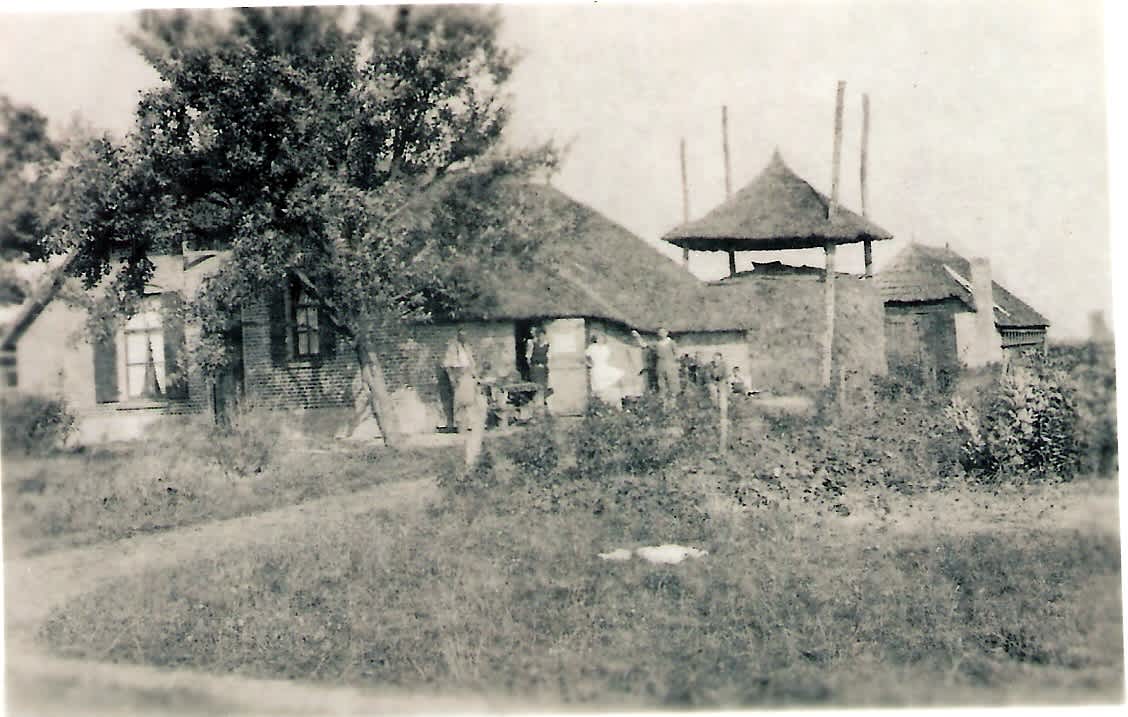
716,374
469,408
666,363
536,353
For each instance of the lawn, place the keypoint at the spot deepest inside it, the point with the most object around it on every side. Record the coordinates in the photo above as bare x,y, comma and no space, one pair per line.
964,595
193,475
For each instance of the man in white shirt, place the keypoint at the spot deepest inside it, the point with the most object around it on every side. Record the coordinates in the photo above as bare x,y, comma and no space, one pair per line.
469,404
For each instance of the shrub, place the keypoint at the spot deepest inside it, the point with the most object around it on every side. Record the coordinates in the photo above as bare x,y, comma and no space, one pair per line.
35,424
1092,374
641,439
535,452
1023,424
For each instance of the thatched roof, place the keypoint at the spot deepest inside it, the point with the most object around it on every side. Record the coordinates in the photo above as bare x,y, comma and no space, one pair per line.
924,274
777,210
601,271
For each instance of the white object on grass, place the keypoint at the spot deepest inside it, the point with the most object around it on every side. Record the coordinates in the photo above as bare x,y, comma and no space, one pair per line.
617,555
669,554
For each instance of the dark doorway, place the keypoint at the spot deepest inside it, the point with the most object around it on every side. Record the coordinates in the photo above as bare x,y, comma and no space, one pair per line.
227,392
522,335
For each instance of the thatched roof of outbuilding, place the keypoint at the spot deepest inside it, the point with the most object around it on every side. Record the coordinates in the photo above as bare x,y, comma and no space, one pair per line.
777,210
925,274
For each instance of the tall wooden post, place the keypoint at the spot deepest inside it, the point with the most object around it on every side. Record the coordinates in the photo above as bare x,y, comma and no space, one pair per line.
867,246
829,248
685,198
828,348
728,177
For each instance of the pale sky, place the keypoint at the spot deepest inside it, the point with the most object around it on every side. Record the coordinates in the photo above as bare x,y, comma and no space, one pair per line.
988,127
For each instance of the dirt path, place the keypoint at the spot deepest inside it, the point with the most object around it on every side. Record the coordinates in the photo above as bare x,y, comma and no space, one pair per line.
38,683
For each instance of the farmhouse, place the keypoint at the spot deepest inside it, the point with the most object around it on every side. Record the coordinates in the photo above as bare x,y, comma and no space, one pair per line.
943,311
602,279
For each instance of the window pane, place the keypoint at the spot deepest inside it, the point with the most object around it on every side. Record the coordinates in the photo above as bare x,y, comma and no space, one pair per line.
135,351
303,343
311,318
313,345
136,380
144,320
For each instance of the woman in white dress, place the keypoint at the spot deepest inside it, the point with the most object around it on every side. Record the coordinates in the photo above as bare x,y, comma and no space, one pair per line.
604,377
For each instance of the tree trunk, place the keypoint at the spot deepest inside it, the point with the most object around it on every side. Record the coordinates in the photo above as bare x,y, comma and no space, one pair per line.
378,397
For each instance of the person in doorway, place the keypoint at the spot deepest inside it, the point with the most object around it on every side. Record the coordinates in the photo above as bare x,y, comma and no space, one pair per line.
469,403
604,376
666,363
536,353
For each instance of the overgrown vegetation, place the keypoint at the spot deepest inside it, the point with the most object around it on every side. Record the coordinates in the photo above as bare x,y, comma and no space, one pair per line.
34,424
1024,423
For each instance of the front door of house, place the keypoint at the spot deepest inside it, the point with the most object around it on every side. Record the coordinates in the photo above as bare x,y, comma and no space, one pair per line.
567,367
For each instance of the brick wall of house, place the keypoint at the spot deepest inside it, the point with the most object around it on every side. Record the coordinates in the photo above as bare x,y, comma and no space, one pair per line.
923,340
295,383
410,356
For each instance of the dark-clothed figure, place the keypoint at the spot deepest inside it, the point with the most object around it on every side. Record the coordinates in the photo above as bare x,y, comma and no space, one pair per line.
536,352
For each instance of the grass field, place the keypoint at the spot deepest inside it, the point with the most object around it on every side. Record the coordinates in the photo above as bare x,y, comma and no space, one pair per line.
793,605
176,479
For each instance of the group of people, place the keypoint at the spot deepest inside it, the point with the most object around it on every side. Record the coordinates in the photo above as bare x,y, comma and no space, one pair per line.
663,370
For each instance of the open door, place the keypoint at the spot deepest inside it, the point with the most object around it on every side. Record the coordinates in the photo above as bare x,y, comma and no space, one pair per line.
567,366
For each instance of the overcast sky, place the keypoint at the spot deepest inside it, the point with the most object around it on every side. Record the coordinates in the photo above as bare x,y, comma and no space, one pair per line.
987,132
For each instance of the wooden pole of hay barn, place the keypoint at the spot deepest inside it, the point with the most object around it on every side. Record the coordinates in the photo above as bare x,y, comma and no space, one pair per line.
867,246
685,199
829,247
728,177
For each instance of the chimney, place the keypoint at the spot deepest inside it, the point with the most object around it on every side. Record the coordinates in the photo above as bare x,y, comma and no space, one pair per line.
988,344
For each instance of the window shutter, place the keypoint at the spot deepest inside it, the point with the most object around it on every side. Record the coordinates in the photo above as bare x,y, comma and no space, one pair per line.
172,330
328,337
279,326
105,370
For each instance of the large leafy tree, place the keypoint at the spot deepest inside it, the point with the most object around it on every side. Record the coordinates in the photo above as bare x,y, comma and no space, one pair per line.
26,154
360,151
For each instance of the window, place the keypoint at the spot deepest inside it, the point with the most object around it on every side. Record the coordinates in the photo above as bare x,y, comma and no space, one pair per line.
144,348
306,334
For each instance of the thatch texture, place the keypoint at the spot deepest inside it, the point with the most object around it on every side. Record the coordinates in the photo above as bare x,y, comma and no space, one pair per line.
924,274
601,271
777,210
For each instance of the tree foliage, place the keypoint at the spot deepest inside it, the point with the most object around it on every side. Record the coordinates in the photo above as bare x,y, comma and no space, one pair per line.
360,150
26,151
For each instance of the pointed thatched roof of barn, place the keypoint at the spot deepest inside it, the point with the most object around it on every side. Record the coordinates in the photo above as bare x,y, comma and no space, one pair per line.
923,274
777,210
